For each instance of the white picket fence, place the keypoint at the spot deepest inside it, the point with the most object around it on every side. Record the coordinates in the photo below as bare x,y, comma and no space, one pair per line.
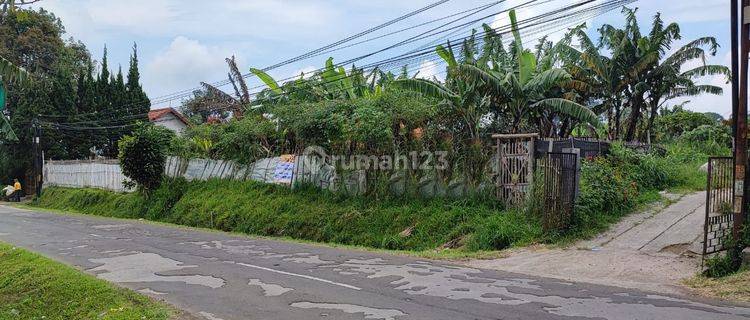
102,174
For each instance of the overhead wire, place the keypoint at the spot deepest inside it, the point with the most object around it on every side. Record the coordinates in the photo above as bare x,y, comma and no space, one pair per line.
345,40
418,55
185,93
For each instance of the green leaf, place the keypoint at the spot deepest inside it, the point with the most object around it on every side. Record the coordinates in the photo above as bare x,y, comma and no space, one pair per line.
347,83
427,88
6,131
447,55
267,79
526,66
569,108
708,70
544,81
11,73
514,27
489,78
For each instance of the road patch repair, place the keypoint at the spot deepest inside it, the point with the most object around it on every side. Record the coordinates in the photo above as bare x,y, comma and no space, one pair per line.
214,275
653,250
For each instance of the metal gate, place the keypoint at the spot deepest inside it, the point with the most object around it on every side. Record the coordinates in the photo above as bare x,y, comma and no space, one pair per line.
719,199
515,164
558,174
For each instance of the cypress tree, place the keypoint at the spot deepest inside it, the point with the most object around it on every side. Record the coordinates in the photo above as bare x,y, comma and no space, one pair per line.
137,98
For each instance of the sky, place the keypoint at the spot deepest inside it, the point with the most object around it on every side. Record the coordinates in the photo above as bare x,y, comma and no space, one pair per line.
184,42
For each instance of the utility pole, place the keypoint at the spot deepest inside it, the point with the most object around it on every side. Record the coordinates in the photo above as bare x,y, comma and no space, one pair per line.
734,16
38,157
740,117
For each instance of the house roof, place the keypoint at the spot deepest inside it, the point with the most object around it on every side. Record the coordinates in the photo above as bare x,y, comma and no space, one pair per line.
156,114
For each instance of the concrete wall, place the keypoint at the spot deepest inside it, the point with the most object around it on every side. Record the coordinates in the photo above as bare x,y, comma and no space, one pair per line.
102,174
171,122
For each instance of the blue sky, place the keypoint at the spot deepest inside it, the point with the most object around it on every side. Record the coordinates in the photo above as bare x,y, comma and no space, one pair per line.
183,42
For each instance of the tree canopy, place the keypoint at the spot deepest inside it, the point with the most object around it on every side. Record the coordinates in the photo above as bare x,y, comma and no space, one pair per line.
93,106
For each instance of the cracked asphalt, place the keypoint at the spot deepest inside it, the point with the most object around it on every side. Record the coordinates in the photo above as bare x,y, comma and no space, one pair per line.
221,276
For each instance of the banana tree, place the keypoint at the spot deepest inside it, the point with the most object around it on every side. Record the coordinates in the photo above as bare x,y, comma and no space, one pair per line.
610,79
666,80
527,80
9,73
330,83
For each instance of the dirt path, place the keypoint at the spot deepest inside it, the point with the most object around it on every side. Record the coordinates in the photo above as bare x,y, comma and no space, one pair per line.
652,250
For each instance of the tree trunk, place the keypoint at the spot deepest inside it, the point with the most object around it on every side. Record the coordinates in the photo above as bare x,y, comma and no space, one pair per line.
610,125
563,133
618,115
654,105
635,117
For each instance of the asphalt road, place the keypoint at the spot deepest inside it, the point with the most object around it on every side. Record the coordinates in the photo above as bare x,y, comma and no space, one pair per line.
220,276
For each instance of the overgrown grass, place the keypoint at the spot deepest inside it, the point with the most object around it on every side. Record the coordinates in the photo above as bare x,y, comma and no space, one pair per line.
610,189
734,287
34,287
308,214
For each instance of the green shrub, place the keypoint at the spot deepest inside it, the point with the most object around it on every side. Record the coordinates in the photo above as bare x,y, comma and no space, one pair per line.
605,194
143,155
717,134
720,265
676,122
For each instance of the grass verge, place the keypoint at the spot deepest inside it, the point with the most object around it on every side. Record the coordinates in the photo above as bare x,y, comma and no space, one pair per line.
267,210
733,287
34,287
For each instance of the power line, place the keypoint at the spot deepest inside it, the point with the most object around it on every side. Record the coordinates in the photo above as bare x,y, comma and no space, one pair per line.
186,93
350,61
400,59
337,43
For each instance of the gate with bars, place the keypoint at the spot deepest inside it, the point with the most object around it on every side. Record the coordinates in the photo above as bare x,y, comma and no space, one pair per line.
558,189
719,199
515,166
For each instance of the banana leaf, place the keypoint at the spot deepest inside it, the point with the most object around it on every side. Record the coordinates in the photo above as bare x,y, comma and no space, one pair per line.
6,132
267,80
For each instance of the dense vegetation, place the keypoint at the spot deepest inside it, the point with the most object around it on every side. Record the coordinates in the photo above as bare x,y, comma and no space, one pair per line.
557,89
67,87
610,188
34,287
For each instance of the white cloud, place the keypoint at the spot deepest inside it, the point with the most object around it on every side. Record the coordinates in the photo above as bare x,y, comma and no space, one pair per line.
429,70
686,11
295,12
133,15
184,64
267,31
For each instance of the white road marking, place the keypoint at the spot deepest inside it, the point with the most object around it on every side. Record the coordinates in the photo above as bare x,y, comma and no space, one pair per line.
300,276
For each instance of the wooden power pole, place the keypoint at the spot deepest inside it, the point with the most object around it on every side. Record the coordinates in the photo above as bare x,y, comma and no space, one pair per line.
38,158
740,117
